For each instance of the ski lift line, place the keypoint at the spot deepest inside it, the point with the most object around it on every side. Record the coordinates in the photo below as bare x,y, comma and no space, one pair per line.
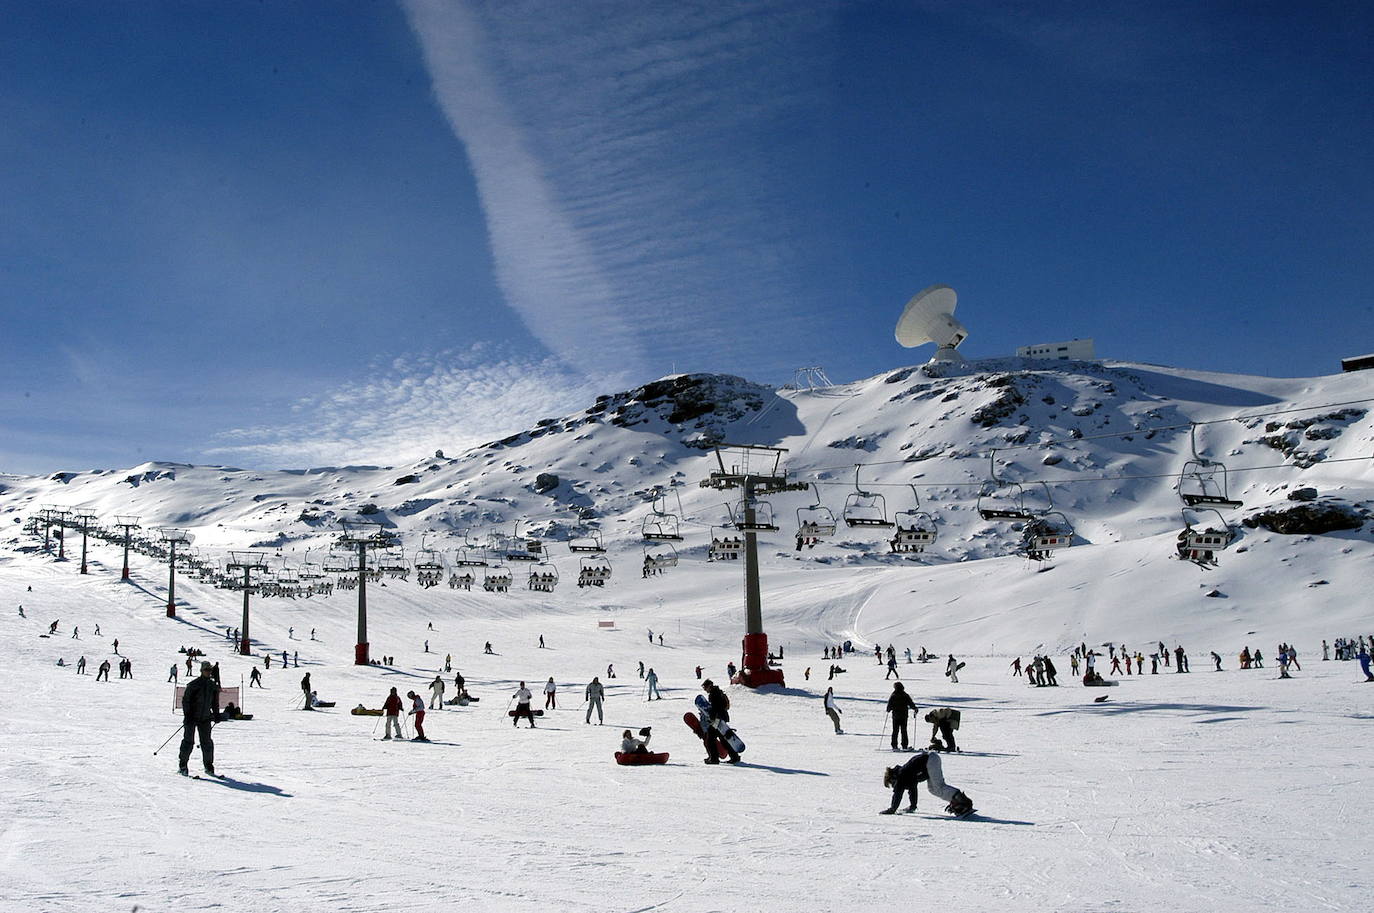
1074,481
1062,442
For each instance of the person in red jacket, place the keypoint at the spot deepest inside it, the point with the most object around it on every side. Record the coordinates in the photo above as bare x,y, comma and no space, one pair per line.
392,708
417,710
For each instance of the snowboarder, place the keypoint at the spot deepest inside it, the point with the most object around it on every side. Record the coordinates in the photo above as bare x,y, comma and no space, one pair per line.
550,695
417,710
832,710
719,712
392,708
631,745
651,686
952,669
52,629
925,766
943,721
1216,658
899,704
596,692
199,711
255,677
522,706
305,687
436,691
488,649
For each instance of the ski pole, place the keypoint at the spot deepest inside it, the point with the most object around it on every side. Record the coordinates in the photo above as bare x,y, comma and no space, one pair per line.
883,731
179,728
376,724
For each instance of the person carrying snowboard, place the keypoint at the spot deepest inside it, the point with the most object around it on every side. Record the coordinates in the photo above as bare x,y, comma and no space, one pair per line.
832,710
199,711
596,692
923,766
952,669
899,704
392,707
522,706
719,711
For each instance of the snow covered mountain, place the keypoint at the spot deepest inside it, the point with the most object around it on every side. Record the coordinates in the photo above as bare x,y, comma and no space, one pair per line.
1102,450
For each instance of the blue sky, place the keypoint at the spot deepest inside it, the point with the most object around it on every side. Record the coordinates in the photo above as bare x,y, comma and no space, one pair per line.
292,234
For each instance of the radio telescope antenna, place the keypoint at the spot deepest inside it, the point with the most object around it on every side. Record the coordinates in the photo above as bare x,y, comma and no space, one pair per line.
929,317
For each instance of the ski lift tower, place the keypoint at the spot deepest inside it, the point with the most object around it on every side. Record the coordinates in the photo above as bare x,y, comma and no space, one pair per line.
173,538
55,516
754,469
248,562
85,516
128,524
363,536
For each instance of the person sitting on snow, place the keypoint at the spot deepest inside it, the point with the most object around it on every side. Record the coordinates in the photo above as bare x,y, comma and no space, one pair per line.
631,745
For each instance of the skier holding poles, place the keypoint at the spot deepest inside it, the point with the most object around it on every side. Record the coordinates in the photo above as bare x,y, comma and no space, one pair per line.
200,711
898,705
392,708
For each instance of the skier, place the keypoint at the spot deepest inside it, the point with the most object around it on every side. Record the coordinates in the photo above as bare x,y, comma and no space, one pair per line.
290,633
76,632
596,692
116,643
641,668
312,633
698,673
610,671
81,666
436,691
255,677
200,711
392,708
488,649
924,765
952,669
651,687
172,676
899,704
1016,667
651,635
719,712
550,695
522,706
541,641
305,686
832,710
943,720
891,667
417,710
908,656
103,672
448,662
52,629
1216,658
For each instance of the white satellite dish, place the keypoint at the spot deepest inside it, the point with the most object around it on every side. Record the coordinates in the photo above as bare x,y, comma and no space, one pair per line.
929,317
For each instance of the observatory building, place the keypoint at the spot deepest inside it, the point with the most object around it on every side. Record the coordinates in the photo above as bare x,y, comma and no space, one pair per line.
1073,350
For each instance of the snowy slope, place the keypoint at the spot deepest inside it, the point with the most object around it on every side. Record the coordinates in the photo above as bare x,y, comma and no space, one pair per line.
1203,792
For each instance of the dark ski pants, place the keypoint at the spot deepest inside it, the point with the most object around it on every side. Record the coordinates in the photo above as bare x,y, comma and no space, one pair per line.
207,745
899,726
523,710
834,718
947,734
714,741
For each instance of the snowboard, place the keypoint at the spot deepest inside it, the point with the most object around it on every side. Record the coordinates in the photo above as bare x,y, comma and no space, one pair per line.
727,734
636,758
956,670
694,723
511,713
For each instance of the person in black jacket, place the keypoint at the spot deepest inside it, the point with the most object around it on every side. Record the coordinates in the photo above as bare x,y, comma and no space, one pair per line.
925,766
720,711
899,704
305,687
200,710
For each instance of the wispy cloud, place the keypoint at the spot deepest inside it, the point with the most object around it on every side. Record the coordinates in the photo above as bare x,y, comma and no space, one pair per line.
413,406
631,160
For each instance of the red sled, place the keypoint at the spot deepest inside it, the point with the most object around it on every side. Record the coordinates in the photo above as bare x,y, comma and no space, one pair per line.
694,723
635,758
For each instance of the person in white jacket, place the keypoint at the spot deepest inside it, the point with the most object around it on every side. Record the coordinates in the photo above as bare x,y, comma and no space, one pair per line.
550,695
833,711
522,706
436,691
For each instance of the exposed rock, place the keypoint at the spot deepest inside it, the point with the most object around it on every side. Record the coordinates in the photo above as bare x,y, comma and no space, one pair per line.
545,481
1312,518
1303,494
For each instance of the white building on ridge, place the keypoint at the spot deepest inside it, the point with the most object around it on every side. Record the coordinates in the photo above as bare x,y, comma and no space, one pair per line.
1073,350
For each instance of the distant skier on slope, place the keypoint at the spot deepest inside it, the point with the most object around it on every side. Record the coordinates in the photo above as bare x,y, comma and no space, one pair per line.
522,706
899,704
923,766
595,694
832,710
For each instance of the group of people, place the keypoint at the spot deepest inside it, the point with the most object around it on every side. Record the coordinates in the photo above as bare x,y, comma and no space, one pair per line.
1040,671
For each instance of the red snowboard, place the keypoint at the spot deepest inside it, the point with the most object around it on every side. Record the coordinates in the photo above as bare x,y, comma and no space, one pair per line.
694,723
635,758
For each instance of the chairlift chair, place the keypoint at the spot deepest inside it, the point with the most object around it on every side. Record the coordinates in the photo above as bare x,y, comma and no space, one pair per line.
1202,482
464,580
865,508
429,567
469,557
594,571
815,521
1046,534
659,559
590,542
723,547
662,525
496,579
1201,545
915,528
763,517
543,577
393,563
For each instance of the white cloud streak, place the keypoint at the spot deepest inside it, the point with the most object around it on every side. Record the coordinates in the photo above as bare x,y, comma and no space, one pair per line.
414,406
628,158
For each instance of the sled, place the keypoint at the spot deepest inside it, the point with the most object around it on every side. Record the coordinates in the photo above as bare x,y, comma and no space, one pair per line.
636,758
511,713
360,710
